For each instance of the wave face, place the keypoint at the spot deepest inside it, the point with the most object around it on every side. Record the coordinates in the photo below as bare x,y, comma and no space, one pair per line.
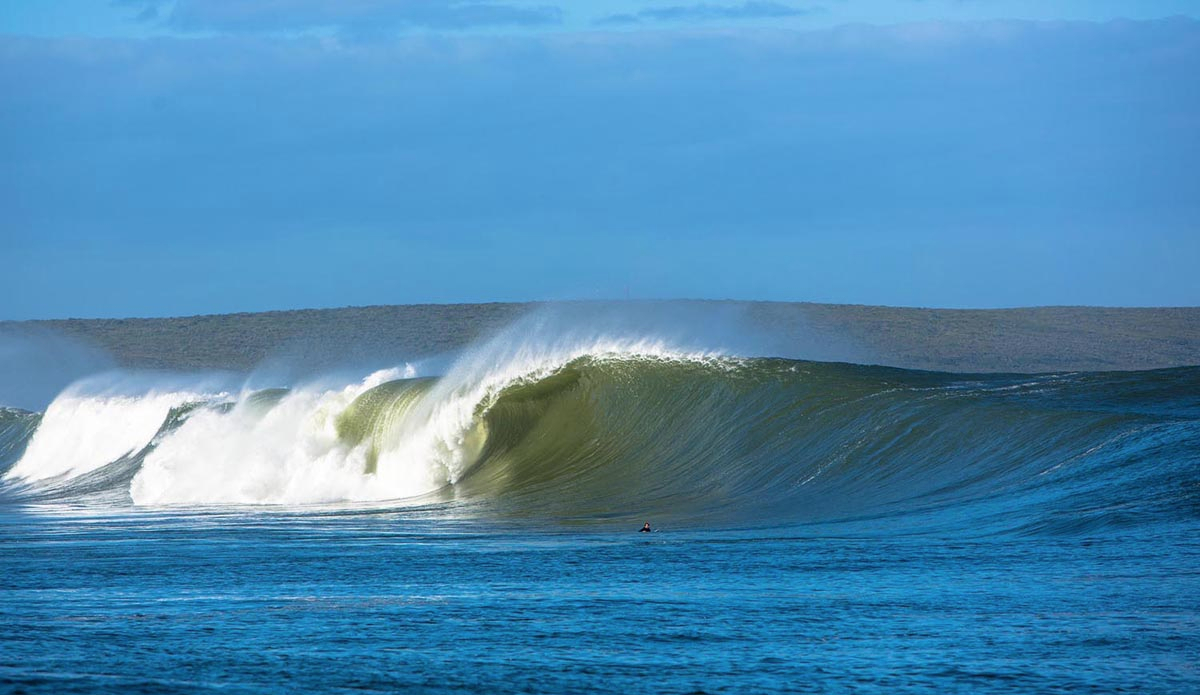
763,441
16,429
633,429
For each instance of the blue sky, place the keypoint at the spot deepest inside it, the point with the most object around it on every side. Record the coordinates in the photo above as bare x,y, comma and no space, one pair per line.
205,156
145,18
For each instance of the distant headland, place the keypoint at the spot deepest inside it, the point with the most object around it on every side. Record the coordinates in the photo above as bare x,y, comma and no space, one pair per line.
1040,339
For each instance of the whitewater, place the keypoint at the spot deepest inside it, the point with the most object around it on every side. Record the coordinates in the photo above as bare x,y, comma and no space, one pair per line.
470,524
389,435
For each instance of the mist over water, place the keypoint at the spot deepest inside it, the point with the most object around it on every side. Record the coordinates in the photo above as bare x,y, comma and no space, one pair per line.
35,365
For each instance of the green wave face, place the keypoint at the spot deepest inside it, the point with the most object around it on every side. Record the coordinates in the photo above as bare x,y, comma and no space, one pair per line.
373,417
16,429
762,441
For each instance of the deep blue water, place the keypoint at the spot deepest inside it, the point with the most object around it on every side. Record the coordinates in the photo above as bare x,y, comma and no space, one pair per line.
279,602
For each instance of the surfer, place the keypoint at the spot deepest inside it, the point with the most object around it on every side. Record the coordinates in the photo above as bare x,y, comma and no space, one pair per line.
645,528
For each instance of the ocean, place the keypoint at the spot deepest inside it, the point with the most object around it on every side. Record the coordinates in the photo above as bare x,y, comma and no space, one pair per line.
474,528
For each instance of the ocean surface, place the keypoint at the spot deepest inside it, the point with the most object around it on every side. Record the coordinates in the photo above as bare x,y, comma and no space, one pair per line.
473,528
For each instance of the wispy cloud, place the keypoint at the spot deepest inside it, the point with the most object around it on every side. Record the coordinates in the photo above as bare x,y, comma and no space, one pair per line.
354,16
753,9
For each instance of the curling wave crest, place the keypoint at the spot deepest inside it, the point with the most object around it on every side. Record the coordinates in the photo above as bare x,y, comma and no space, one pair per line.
612,428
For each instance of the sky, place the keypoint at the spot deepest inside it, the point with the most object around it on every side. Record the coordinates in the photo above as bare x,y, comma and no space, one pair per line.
206,156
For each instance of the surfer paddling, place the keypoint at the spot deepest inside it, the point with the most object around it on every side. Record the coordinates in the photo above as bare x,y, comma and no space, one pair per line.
645,528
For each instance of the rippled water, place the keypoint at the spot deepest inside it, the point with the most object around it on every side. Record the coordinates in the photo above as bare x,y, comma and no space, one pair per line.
412,601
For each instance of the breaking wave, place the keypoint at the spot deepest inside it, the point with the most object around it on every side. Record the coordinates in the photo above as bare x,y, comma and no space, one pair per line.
619,429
